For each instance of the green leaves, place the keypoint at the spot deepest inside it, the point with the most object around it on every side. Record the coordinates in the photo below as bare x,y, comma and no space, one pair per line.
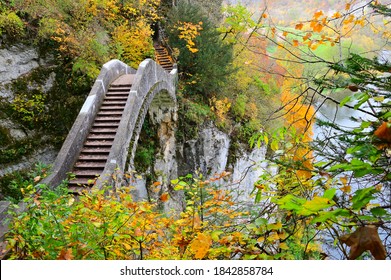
359,168
362,197
359,99
305,207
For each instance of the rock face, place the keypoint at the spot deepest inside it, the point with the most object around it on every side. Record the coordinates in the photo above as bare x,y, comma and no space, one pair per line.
17,62
208,154
247,170
45,156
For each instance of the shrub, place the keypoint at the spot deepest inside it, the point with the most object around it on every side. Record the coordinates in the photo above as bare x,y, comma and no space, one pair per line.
11,24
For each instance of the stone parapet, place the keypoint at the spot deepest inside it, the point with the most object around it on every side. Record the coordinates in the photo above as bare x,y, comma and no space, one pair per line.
79,131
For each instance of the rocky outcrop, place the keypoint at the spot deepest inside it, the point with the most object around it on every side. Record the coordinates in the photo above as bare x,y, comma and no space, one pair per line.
208,154
17,62
44,156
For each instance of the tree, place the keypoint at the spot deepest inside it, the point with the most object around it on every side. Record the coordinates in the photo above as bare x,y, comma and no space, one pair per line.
198,41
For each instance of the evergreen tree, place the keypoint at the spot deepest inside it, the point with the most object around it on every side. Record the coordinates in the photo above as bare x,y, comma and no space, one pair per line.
204,68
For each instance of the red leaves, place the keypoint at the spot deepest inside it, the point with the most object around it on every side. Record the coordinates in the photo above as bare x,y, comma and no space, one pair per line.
363,239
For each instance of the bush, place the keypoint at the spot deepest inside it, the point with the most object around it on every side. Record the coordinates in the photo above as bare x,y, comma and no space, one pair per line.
11,24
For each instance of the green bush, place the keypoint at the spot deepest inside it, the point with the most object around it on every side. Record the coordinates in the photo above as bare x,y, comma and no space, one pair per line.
11,24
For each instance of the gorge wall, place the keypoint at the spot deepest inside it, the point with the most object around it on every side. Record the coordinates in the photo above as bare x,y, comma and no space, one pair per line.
22,145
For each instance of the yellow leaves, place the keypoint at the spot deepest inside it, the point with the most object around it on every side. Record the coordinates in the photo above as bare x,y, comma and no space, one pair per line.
221,107
336,15
350,19
347,6
200,245
284,246
134,42
71,201
360,21
188,31
346,188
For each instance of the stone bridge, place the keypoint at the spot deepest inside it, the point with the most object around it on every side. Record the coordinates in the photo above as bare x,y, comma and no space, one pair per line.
152,90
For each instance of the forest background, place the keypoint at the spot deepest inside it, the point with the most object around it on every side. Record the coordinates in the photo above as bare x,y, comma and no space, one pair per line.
276,65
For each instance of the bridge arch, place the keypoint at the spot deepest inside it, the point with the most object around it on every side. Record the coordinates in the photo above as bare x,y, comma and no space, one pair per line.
153,90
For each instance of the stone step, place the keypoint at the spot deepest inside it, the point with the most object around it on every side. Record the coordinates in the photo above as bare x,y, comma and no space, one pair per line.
92,165
92,157
98,143
95,150
105,124
104,130
112,108
107,118
86,174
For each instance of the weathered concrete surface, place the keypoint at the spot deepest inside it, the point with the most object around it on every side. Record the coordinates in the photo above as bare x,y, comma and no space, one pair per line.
79,131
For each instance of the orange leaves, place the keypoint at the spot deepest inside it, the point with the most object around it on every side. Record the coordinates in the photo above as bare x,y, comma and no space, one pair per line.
316,26
299,26
318,15
300,117
383,132
164,197
295,43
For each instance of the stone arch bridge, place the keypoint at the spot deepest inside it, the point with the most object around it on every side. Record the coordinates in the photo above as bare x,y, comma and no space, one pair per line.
103,139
